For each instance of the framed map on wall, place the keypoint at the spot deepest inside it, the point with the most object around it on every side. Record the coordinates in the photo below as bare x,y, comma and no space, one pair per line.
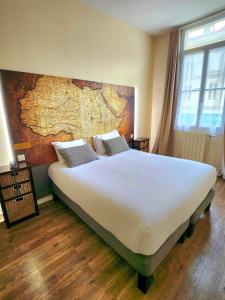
42,109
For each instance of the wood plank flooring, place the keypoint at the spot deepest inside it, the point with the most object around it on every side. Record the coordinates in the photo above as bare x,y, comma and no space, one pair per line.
56,256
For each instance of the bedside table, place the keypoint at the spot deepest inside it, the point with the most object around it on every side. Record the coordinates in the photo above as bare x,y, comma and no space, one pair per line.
140,143
17,195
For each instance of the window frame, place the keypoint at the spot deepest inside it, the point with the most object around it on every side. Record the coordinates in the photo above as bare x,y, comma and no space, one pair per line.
205,49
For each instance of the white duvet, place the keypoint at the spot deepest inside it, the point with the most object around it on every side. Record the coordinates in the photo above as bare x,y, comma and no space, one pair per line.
141,198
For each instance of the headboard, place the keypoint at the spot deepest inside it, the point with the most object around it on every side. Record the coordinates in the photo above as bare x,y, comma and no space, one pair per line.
42,109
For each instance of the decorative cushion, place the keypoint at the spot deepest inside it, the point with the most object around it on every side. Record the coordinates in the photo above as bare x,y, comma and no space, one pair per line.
78,155
115,145
97,140
62,145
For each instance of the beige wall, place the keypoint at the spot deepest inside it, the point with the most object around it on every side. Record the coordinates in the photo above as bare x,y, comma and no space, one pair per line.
67,38
5,149
161,44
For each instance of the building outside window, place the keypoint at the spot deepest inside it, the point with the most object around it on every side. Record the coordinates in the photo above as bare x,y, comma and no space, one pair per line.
201,105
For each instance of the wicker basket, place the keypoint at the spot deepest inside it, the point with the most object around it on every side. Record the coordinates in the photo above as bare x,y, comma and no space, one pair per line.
19,209
9,178
12,192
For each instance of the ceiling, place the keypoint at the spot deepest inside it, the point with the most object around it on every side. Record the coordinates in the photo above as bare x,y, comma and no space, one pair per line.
157,16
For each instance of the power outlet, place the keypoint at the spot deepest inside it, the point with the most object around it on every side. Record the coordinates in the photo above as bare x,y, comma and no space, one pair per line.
21,157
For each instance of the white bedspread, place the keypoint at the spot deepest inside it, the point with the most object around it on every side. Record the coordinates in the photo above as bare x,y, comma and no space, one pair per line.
140,198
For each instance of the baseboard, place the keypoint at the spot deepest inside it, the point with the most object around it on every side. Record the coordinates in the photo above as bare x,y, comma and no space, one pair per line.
40,201
45,199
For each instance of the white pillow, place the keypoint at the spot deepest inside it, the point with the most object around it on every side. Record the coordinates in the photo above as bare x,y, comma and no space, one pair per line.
97,140
63,145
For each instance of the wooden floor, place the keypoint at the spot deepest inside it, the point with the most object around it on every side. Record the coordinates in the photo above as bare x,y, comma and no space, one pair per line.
56,256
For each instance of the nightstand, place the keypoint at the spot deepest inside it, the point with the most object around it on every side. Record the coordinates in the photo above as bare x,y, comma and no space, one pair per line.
140,143
17,195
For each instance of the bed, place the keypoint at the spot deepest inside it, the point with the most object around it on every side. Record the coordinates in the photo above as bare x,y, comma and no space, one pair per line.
128,200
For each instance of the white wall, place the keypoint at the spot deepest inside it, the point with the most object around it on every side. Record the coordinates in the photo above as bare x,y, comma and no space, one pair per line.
70,39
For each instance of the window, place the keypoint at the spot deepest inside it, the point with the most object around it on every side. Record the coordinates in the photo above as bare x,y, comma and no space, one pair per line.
201,104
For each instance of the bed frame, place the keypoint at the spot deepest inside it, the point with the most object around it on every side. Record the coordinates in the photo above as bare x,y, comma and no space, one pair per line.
144,264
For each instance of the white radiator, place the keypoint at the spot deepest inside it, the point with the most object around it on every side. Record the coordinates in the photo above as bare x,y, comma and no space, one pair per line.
214,152
194,146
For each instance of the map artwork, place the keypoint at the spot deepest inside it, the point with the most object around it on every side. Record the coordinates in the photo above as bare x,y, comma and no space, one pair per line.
42,109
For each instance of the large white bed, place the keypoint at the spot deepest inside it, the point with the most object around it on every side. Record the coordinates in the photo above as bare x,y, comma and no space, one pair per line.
141,198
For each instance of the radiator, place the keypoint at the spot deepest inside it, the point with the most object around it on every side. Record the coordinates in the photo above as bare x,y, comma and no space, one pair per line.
194,146
215,151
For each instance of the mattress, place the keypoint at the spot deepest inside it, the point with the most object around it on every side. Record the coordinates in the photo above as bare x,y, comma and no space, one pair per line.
144,264
141,198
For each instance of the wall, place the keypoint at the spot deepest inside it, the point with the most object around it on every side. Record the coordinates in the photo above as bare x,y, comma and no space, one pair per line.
161,44
5,148
67,38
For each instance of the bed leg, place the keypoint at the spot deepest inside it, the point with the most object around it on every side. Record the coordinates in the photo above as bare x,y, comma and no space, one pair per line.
55,198
190,230
182,238
144,282
208,207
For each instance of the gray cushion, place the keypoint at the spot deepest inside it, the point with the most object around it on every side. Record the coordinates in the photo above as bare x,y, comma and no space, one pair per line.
78,155
115,145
